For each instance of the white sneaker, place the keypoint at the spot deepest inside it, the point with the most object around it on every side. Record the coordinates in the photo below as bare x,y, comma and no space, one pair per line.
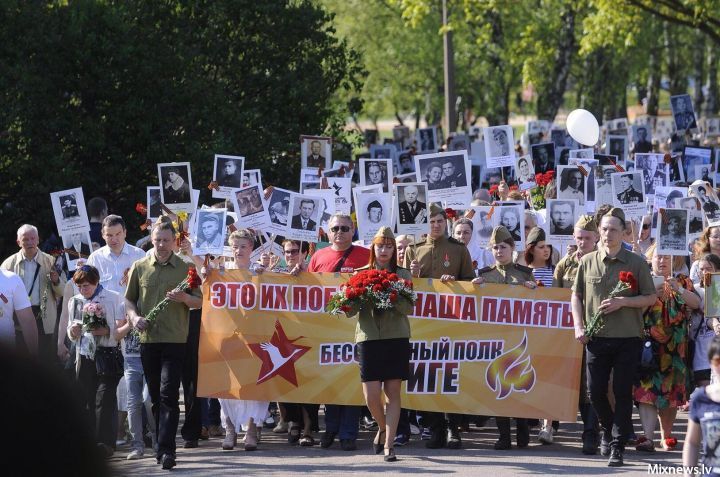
414,430
545,436
135,454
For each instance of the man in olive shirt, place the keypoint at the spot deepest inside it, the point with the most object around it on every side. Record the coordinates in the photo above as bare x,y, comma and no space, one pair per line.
447,259
162,347
586,238
616,347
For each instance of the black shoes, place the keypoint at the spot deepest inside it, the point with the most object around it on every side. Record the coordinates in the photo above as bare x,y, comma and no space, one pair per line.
379,446
348,444
589,440
327,439
604,447
616,457
503,444
390,456
167,461
191,444
437,440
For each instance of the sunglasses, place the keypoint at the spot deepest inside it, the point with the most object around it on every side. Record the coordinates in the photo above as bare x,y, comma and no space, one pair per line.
343,228
294,251
646,226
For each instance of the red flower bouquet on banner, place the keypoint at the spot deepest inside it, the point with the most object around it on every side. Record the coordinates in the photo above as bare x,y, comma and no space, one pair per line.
596,323
192,280
374,290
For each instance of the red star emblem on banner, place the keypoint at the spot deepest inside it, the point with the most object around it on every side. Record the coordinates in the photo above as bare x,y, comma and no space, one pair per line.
278,356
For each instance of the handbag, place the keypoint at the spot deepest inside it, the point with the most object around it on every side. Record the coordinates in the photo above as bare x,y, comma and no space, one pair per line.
649,362
109,361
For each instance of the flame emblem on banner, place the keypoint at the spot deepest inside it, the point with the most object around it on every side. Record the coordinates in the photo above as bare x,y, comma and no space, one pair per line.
511,371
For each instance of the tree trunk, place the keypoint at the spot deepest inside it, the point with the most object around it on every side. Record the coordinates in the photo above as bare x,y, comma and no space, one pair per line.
550,100
676,74
698,61
653,83
712,104
399,118
498,110
594,85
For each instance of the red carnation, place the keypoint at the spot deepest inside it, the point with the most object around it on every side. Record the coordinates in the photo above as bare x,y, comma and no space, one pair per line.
451,214
345,308
140,208
393,296
377,287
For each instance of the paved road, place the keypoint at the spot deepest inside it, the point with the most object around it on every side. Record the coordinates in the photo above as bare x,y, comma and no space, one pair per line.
275,457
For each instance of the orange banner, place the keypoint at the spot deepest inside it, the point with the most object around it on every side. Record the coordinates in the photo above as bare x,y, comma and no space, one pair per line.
496,350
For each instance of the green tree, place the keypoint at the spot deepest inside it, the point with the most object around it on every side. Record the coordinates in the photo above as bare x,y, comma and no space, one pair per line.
96,93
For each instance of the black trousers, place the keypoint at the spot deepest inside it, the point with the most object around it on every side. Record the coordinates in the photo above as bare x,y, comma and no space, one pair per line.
163,366
440,422
621,356
193,416
99,398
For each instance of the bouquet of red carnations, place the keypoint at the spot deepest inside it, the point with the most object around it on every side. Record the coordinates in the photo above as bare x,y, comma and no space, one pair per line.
373,289
596,323
192,280
537,194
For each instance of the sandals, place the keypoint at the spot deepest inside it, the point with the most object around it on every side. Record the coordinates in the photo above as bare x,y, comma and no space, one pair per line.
306,441
644,445
294,434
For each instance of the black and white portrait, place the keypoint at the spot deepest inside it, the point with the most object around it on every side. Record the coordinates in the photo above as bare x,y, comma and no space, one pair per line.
249,201
459,142
571,184
447,177
209,231
682,110
511,218
427,140
543,156
703,173
384,151
401,134
694,217
499,146
251,177
562,215
175,185
654,170
229,172
695,156
708,201
315,151
642,139
561,138
673,231
617,146
372,212
68,206
77,247
525,173
412,205
628,188
304,214
154,204
376,172
603,185
583,153
279,210
537,131
404,163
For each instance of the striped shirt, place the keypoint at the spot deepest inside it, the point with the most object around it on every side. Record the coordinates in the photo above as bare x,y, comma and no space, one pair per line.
544,275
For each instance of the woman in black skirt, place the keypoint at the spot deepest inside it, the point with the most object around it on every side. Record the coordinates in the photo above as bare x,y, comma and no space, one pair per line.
383,340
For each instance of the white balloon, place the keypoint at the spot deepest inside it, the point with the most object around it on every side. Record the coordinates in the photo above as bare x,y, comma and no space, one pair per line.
583,127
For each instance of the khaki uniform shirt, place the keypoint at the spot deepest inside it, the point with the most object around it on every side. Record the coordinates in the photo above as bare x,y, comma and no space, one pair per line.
148,282
510,274
564,276
597,275
442,256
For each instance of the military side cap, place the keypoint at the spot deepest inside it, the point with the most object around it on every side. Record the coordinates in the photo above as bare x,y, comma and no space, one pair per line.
384,233
436,209
587,223
211,217
616,212
536,235
500,234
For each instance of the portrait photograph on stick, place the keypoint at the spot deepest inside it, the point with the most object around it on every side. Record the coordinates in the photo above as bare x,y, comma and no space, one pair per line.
683,113
69,210
175,186
672,237
315,151
250,208
708,201
511,215
446,175
571,183
304,222
411,208
629,193
77,246
208,234
376,172
427,140
525,173
654,170
154,203
372,212
543,157
279,210
228,173
499,146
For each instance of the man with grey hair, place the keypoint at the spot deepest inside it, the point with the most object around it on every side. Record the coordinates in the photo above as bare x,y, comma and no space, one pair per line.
44,286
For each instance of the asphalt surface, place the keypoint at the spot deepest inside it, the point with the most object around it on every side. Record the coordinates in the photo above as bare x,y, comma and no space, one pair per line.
275,457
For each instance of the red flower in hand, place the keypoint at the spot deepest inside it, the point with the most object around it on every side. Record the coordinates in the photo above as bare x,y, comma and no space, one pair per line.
194,280
451,214
140,208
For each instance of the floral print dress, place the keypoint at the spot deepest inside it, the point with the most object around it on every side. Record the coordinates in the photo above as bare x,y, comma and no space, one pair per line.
666,323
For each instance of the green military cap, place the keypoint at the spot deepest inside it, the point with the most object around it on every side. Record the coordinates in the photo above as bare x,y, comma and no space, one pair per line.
501,234
616,212
587,223
436,209
383,233
536,235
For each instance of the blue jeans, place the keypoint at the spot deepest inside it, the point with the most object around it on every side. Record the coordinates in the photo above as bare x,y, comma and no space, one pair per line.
342,420
135,381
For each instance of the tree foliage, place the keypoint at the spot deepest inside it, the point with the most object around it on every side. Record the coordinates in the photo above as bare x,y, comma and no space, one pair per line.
95,93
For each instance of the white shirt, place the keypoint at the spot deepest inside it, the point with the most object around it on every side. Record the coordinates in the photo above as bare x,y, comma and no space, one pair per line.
30,266
13,297
113,267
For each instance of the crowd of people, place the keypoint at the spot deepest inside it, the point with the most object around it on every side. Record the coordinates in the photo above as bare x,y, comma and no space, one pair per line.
94,327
